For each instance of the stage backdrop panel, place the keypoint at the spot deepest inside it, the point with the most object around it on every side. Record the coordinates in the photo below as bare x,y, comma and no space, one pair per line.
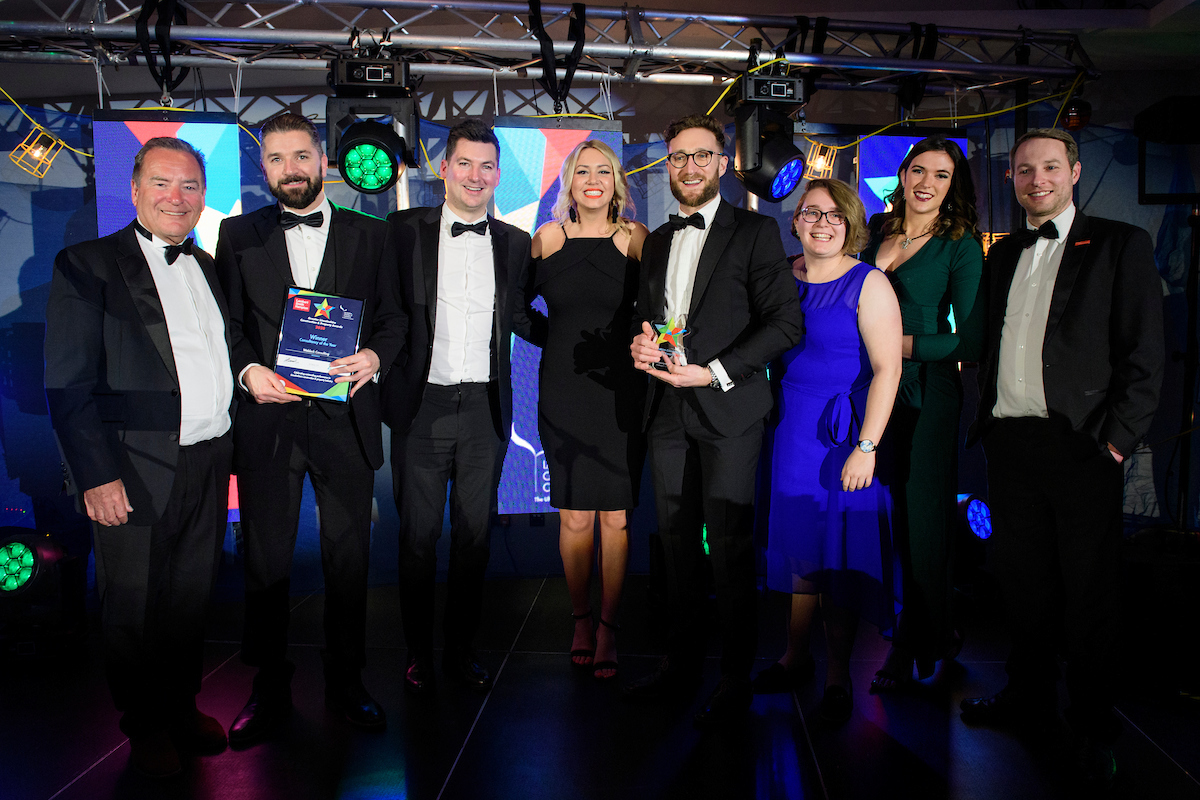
118,135
529,167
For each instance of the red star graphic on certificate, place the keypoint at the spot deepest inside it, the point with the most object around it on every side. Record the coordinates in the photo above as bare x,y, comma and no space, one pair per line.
323,309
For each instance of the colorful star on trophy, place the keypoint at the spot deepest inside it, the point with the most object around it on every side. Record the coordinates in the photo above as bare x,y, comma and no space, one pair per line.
670,337
323,309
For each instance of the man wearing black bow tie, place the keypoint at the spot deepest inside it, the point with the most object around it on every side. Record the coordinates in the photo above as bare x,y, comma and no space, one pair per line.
448,401
140,395
305,241
1068,386
721,272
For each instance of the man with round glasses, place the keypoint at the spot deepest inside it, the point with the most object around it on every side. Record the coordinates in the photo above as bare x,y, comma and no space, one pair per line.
720,272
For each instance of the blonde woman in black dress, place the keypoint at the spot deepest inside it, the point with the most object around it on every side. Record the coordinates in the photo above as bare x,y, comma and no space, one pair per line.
591,398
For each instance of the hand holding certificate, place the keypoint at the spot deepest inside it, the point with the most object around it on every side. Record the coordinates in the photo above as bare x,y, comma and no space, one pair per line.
318,353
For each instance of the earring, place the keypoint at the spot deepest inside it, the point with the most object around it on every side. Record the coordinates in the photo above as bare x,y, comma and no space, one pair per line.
615,214
571,213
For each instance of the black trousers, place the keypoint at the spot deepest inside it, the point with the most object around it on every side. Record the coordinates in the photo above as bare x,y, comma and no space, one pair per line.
325,447
704,479
155,583
452,442
1056,519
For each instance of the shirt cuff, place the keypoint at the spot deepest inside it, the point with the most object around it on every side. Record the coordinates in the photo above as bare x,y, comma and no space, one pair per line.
722,375
242,374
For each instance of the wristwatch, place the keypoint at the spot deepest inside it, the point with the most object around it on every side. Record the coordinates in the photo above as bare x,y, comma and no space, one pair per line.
867,446
715,382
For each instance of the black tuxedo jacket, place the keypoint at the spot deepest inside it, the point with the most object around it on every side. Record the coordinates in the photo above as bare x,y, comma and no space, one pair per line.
111,380
745,311
1102,356
253,265
413,248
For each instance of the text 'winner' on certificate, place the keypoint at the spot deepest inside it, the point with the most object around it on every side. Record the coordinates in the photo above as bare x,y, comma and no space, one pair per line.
317,329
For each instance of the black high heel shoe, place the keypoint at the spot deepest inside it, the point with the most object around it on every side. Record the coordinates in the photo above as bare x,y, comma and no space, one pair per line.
606,664
583,652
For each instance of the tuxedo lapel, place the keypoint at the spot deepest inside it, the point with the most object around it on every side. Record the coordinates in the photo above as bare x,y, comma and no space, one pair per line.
1068,270
140,283
714,246
341,250
274,244
500,262
428,233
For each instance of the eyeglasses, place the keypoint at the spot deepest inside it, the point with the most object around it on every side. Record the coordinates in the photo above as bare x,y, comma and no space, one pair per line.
679,159
812,215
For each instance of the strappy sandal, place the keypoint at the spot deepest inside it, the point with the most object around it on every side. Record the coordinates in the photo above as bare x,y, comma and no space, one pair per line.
598,666
588,653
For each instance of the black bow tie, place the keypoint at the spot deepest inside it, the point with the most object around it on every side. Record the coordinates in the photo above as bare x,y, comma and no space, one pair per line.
679,223
288,220
459,228
173,250
1026,237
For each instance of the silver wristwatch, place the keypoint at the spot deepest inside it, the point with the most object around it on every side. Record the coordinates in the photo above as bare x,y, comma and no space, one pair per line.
715,382
867,446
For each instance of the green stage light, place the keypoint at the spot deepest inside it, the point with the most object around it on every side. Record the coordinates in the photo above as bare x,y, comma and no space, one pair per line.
17,563
369,156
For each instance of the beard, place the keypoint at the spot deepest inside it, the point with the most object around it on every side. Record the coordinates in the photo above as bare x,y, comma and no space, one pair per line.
300,197
708,190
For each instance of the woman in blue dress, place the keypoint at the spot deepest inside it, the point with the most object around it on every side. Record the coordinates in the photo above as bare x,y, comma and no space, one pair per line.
830,533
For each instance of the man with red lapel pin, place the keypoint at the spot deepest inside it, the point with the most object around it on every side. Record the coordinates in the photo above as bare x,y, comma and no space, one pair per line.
1069,383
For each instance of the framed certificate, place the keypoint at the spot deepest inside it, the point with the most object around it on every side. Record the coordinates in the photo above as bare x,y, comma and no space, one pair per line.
316,329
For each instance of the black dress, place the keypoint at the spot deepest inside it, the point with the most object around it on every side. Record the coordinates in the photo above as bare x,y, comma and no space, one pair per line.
591,397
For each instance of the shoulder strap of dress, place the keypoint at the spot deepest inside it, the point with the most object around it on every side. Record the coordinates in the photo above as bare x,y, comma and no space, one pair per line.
564,230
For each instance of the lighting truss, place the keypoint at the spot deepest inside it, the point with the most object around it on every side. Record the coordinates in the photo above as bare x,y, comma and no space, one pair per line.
492,41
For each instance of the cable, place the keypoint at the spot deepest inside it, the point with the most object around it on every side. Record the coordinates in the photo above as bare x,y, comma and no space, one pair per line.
588,116
646,166
942,119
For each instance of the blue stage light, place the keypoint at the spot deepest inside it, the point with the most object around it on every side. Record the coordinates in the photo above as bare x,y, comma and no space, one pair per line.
790,175
976,514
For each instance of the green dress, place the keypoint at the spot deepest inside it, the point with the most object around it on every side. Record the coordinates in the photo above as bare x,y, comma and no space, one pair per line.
919,452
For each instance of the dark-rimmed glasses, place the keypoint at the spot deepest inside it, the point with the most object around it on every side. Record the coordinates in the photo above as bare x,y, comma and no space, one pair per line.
813,215
679,159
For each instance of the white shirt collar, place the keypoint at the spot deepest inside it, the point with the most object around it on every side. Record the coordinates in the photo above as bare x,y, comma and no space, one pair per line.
708,211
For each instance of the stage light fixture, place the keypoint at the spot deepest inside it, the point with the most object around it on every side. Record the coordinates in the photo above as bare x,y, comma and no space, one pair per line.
37,152
25,557
974,511
820,161
373,124
766,159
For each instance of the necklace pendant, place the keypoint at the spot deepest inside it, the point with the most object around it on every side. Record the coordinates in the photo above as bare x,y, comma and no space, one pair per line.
904,245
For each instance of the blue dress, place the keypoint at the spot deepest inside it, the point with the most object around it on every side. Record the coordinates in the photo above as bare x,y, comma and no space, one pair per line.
823,539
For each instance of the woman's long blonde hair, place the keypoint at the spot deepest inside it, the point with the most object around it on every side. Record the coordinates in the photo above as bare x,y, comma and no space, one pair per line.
621,200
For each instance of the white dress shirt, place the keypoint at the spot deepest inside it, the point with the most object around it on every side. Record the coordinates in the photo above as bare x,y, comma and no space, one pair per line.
197,333
306,247
466,306
687,244
306,252
1020,389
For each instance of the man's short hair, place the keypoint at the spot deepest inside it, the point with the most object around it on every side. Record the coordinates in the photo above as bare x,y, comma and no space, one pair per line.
472,129
1049,133
167,143
704,121
287,121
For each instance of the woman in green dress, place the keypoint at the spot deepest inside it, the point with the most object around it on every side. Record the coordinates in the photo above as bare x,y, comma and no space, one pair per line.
928,246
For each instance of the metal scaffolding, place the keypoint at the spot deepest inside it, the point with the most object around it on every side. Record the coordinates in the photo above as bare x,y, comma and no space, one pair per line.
496,41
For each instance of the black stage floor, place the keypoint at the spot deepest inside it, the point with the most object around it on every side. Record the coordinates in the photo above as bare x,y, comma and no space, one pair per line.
545,731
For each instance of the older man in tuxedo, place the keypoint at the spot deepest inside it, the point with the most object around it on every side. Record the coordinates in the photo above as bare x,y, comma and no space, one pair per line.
140,394
721,272
1068,386
305,241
